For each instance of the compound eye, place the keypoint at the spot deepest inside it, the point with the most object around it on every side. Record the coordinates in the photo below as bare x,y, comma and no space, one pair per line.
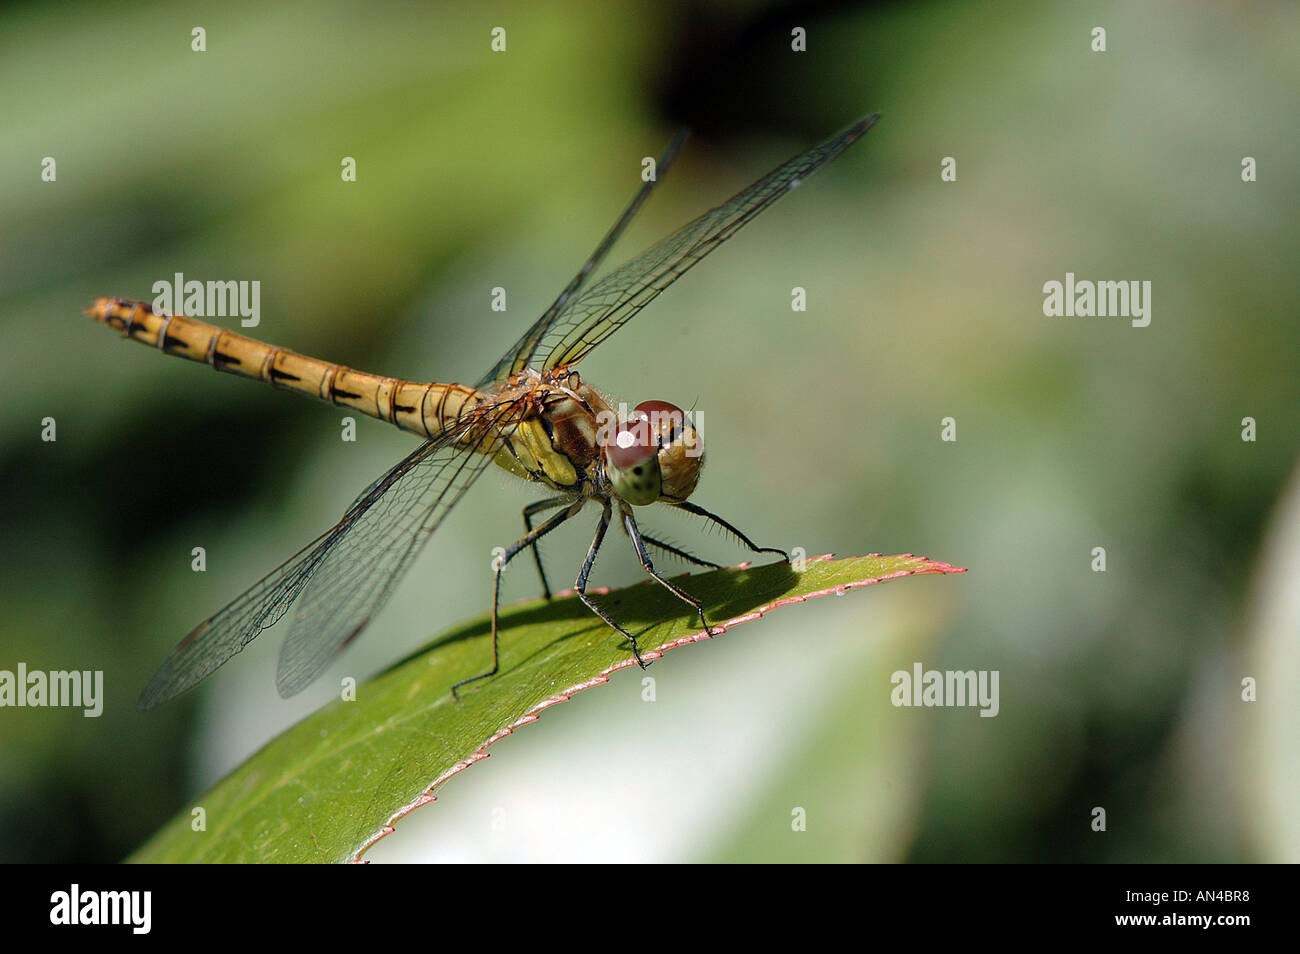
631,462
666,420
631,443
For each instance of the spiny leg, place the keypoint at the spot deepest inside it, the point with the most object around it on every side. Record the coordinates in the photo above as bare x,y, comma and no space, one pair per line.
529,512
701,512
529,539
678,552
629,523
580,587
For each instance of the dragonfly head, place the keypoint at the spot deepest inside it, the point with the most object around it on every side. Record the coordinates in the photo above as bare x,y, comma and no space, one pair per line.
655,455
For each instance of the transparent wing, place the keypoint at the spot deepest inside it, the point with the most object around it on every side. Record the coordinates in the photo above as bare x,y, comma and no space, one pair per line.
341,579
354,580
517,358
587,320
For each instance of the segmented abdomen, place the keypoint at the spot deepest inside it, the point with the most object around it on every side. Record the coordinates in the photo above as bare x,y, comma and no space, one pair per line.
421,408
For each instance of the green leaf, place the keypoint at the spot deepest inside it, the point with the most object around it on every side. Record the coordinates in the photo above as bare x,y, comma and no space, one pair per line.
332,785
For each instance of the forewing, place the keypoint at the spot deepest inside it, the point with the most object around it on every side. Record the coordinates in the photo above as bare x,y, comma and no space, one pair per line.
593,316
210,644
390,513
355,578
517,358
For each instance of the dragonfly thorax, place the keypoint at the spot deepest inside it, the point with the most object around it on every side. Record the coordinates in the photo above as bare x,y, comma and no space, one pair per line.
654,455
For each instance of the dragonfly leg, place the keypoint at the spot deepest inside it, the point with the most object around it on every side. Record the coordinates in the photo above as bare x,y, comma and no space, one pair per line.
701,512
678,552
527,540
530,511
629,523
580,587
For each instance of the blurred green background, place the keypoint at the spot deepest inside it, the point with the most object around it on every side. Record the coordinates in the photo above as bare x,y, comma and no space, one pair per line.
1119,689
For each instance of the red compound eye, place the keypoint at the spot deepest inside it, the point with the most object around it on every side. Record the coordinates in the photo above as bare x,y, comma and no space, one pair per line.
632,443
666,420
647,410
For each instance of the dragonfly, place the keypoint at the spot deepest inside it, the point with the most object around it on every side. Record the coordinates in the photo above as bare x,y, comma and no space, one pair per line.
531,413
